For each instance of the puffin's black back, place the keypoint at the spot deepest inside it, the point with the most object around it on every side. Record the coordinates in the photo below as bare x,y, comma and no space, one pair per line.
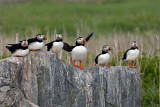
31,40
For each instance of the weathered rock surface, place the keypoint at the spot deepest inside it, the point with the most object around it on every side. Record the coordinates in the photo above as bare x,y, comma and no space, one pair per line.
41,79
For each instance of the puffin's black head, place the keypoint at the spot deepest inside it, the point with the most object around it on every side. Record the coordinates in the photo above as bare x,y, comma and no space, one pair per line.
106,48
59,36
24,43
41,37
134,44
80,41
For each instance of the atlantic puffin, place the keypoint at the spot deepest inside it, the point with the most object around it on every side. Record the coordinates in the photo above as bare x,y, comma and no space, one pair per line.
57,45
36,43
18,50
103,58
78,51
131,54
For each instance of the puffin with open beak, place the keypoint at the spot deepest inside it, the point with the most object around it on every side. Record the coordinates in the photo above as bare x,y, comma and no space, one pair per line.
131,54
78,51
57,45
18,50
103,58
36,43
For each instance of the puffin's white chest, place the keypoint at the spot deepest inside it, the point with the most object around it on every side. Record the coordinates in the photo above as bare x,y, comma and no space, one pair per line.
57,46
36,45
103,59
132,55
21,52
79,53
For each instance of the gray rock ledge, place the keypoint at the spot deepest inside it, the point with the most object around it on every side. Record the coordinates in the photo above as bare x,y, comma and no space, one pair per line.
41,79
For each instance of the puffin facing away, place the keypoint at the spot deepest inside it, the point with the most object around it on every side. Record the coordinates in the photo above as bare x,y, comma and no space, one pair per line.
78,51
103,58
36,43
57,45
131,54
18,50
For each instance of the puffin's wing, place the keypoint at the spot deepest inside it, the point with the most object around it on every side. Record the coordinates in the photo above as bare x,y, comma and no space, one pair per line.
67,47
96,59
12,47
49,45
90,35
125,55
9,48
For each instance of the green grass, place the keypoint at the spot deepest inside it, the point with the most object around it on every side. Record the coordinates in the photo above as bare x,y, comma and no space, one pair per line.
106,17
150,81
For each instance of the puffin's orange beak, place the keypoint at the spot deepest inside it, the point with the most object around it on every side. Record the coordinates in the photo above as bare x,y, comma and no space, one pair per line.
45,38
110,48
57,37
134,45
84,41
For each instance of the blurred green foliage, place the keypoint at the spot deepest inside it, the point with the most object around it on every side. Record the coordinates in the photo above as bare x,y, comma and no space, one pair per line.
104,17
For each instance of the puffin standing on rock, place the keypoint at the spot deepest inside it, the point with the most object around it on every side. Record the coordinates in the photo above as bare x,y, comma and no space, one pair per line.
57,45
103,58
79,51
18,50
131,54
36,43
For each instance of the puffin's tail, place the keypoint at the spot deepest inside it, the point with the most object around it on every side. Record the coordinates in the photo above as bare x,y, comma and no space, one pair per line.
96,64
123,59
8,47
47,46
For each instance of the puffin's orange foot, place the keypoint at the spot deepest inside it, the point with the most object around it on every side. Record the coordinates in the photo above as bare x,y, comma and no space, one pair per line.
81,67
75,65
130,66
108,65
18,56
135,67
33,50
101,65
